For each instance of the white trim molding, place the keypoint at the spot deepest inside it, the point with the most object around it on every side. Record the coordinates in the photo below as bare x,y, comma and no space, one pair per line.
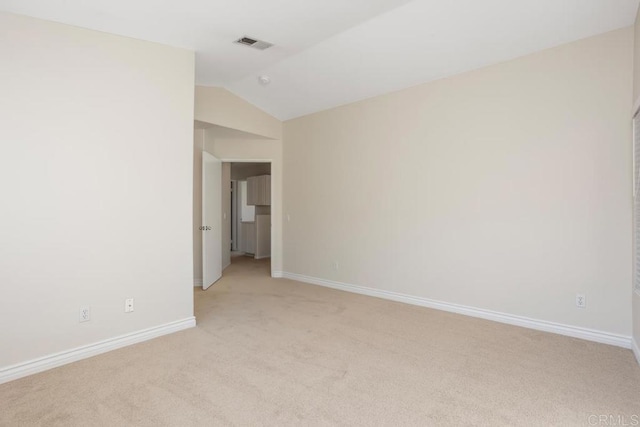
526,322
636,350
197,283
34,366
277,274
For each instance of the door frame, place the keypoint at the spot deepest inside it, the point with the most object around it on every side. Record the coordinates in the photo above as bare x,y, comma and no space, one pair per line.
234,216
270,161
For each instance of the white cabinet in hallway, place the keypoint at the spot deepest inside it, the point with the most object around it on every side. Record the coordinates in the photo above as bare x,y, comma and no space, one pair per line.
256,237
259,190
248,237
263,236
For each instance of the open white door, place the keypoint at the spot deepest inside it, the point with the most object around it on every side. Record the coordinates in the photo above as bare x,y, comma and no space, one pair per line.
211,220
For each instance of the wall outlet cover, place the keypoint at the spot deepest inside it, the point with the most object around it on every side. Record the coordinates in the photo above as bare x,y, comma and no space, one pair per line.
85,314
128,305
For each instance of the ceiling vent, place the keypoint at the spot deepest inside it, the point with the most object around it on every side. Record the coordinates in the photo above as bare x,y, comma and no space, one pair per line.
254,43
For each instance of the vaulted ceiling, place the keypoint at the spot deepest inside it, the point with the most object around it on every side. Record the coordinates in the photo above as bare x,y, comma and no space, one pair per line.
332,52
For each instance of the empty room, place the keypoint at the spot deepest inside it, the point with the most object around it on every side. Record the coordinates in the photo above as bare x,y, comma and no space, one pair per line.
363,212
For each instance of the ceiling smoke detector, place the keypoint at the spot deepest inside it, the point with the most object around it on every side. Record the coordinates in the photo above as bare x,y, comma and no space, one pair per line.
264,80
254,43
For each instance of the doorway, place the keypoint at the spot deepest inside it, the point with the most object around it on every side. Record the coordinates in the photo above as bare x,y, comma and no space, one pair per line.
231,146
248,203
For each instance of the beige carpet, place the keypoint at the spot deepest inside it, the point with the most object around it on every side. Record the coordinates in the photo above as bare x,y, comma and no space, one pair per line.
277,352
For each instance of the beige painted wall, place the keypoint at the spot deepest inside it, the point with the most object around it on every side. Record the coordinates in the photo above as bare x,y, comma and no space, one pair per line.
220,107
505,188
96,180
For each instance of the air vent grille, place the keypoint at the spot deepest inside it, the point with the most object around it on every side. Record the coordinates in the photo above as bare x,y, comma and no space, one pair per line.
254,43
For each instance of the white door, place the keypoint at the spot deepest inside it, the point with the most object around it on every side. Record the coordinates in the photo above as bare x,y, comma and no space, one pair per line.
211,220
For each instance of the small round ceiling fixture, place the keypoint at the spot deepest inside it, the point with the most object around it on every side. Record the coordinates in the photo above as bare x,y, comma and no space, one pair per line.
264,80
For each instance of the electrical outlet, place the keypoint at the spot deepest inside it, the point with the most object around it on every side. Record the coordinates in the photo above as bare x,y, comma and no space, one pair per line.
581,300
85,314
128,305
336,265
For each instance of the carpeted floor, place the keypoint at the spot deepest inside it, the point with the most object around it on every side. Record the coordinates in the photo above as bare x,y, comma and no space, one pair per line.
276,352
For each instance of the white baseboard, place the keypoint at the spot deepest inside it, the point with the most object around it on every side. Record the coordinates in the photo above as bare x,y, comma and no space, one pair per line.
197,283
540,325
34,366
636,350
277,274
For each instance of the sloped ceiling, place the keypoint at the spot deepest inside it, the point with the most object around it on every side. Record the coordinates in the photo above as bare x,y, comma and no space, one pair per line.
333,52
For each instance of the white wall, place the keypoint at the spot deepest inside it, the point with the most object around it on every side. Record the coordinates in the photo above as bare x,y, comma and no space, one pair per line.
96,182
506,188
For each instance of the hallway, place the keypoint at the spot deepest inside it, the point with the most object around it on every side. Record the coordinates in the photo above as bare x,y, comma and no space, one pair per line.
247,266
